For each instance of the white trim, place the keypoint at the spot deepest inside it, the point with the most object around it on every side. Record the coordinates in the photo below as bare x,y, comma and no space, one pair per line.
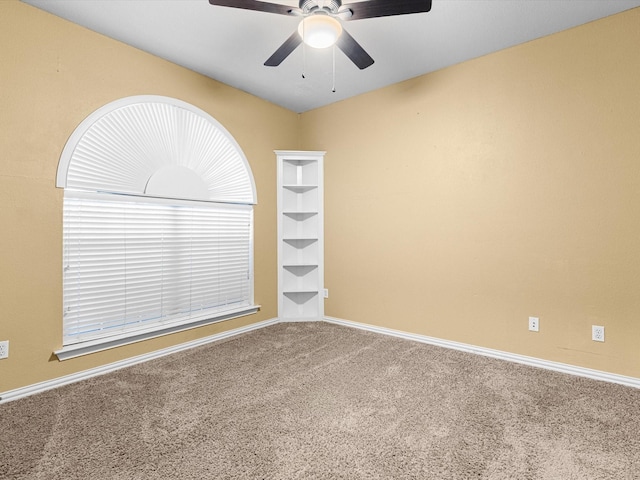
510,357
499,354
300,320
100,124
111,367
85,348
296,154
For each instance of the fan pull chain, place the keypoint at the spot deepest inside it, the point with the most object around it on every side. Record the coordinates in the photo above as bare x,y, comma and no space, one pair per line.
333,88
304,60
304,53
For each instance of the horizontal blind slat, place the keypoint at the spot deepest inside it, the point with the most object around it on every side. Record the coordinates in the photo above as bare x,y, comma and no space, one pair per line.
129,262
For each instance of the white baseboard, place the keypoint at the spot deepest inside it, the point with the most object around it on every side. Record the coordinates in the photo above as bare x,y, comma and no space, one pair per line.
111,367
300,320
488,352
511,357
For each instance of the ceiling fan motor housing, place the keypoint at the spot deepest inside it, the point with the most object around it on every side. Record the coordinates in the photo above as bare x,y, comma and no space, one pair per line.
312,6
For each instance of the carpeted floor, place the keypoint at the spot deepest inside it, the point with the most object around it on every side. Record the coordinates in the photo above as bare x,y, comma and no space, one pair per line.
320,401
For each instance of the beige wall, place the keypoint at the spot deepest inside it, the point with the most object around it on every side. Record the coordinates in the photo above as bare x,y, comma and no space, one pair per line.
459,203
52,75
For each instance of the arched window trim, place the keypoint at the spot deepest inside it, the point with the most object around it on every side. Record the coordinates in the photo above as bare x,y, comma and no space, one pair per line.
181,144
99,128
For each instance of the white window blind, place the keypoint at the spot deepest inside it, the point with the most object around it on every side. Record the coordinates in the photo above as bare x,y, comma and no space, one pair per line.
137,264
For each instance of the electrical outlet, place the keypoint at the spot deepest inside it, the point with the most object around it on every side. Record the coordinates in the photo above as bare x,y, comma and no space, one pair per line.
534,324
597,333
325,292
4,349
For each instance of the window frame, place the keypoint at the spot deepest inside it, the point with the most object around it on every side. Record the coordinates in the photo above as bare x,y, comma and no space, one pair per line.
79,183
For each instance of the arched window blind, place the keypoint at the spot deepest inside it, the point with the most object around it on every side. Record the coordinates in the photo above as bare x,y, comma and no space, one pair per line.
158,224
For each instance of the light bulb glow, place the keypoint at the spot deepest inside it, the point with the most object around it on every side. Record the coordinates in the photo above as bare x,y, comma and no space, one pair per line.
319,31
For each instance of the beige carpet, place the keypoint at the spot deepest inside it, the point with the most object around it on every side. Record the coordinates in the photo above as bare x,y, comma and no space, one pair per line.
319,401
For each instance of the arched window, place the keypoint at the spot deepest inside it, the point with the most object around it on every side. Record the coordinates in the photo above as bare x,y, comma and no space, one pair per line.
158,224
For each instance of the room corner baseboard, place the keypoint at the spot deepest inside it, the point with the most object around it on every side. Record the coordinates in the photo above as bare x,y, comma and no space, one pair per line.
111,367
300,320
511,357
488,352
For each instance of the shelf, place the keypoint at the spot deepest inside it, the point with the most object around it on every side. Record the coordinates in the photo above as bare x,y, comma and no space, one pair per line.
300,171
300,242
300,215
300,280
299,162
300,188
300,252
301,296
300,305
300,270
300,226
304,200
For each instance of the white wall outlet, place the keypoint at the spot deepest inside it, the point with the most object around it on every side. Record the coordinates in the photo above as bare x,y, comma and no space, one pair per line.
534,324
325,292
597,333
4,349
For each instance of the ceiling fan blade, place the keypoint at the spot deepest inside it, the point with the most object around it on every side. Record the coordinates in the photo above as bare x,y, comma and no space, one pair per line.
386,8
285,50
254,5
354,51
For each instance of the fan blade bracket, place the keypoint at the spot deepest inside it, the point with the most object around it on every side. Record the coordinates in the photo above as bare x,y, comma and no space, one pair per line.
344,13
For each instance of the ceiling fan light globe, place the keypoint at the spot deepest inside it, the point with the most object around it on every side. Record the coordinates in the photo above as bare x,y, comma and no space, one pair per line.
319,31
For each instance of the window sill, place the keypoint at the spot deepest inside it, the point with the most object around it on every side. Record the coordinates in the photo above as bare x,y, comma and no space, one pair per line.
92,346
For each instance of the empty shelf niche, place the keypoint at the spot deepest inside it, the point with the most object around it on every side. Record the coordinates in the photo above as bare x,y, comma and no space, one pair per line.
296,199
300,225
299,305
300,278
300,172
297,251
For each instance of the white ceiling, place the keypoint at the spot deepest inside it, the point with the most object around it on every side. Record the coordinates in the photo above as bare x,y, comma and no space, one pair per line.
231,45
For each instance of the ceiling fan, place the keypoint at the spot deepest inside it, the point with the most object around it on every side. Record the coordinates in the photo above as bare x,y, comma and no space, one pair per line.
321,24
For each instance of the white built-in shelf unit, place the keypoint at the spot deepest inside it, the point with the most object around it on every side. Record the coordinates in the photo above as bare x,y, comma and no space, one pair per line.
300,235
